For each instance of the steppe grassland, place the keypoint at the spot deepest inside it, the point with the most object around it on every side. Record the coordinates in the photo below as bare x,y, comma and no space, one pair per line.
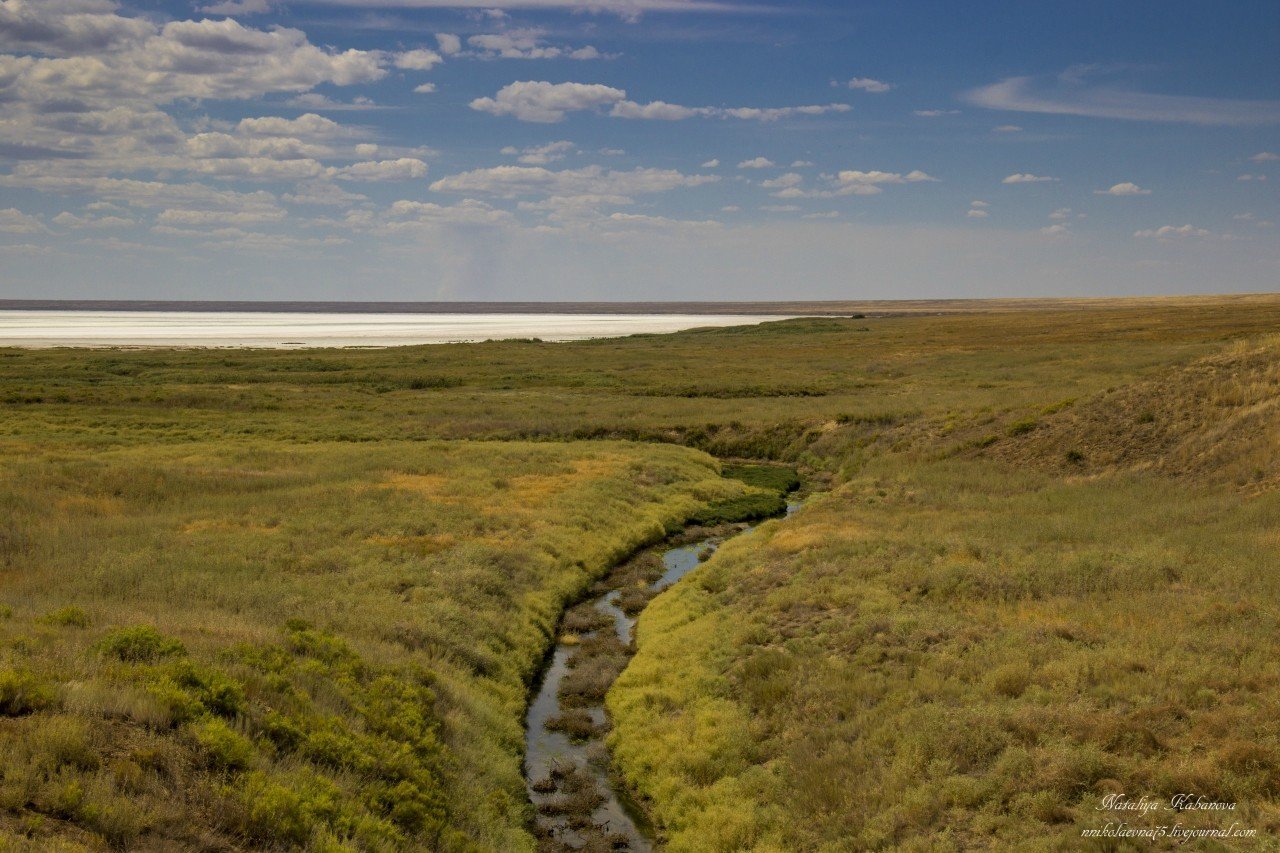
325,645
280,437
969,645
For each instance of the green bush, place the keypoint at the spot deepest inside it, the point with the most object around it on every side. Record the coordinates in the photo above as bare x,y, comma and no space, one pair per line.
21,692
139,644
223,748
68,617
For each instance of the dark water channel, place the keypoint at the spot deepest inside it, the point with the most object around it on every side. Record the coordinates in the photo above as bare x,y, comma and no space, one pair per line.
569,780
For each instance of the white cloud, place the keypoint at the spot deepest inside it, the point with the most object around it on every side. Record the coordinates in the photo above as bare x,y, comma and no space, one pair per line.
420,59
757,163
306,126
1125,188
198,218
782,182
1265,157
448,43
628,10
856,182
233,8
802,164
711,164
526,43
935,113
1061,213
1073,97
14,221
979,203
317,101
511,181
539,101
425,88
1058,230
1026,178
1006,128
1252,178
1173,232
541,155
653,111
70,220
413,215
867,84
400,169
976,213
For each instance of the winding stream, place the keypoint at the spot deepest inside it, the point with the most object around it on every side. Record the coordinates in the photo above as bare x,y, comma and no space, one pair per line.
569,780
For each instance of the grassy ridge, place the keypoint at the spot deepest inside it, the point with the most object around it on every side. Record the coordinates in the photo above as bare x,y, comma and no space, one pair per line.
973,641
252,645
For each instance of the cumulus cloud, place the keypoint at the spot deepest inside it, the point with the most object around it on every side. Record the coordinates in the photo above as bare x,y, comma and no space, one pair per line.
1125,188
934,113
420,59
1056,230
976,213
14,221
1006,128
70,220
867,84
1172,232
400,169
713,163
757,163
425,88
448,43
1026,178
540,101
306,126
1265,157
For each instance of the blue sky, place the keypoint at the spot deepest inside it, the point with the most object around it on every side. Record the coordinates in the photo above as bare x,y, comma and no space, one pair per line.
636,149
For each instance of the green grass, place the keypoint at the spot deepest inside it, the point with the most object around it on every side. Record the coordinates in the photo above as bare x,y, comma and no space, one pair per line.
971,652
325,646
268,599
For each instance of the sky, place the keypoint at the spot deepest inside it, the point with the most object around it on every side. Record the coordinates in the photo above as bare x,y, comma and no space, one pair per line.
637,149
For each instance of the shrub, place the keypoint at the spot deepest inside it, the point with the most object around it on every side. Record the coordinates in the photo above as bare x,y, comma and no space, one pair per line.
22,693
139,644
68,617
1023,427
223,748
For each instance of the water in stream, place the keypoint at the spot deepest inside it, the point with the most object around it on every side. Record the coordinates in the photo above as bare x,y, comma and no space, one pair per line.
556,766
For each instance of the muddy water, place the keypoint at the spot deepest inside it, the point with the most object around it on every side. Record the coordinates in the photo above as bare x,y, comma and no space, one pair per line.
556,764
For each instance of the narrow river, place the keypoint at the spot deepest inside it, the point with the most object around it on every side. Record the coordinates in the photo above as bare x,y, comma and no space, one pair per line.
567,766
